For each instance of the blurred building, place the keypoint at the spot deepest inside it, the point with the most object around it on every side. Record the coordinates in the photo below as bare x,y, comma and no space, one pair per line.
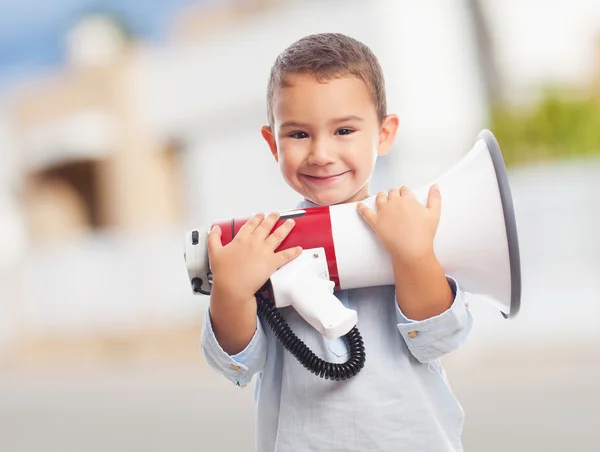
122,150
88,162
106,162
118,153
98,188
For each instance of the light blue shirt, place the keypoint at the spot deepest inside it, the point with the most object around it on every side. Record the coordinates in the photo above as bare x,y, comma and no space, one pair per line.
399,401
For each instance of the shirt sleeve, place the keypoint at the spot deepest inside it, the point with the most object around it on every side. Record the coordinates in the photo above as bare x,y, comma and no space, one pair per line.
430,339
239,368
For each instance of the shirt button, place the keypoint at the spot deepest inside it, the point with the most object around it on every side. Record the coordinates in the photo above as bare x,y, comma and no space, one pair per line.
235,367
413,334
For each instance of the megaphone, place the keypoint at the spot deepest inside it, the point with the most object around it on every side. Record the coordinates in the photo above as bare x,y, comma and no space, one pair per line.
476,243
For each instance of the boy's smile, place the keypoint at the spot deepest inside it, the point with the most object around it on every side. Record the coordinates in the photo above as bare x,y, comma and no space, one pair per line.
323,179
326,137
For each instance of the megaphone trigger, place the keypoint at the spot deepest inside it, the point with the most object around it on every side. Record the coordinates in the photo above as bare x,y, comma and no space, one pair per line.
304,284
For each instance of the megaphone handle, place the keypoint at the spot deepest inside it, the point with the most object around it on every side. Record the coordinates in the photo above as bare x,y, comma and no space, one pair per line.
313,298
330,371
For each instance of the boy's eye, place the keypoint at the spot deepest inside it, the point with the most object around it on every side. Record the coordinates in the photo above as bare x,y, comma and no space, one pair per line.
344,131
299,135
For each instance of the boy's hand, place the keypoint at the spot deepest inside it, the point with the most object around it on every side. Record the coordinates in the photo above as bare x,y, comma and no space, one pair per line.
404,226
242,267
406,229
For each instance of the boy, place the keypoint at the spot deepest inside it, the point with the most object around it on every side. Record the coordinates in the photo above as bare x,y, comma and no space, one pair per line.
327,125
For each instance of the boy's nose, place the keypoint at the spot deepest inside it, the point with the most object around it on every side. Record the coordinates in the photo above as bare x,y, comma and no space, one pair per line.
320,154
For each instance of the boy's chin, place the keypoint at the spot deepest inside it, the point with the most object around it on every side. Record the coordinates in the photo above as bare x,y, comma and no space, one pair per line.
330,199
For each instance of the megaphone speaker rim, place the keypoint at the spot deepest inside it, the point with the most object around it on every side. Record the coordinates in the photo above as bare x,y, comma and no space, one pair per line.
509,220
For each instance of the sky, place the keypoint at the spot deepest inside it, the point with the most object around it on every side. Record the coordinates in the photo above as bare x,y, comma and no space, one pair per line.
32,32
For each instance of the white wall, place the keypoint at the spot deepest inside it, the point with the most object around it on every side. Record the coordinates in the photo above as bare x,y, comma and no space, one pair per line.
424,49
541,41
12,227
560,259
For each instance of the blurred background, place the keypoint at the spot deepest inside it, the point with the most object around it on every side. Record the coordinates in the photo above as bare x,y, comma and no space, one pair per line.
125,124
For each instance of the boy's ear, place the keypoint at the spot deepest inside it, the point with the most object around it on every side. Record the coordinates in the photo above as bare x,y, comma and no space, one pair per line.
267,134
387,134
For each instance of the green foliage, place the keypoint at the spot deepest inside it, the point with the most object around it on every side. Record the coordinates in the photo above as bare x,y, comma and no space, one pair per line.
559,126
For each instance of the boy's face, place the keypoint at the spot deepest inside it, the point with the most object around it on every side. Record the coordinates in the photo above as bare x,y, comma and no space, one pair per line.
326,137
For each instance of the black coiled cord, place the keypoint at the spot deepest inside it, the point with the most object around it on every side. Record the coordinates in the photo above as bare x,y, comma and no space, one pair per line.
330,371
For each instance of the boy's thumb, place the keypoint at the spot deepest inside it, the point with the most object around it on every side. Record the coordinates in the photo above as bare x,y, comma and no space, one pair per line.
366,213
434,200
213,241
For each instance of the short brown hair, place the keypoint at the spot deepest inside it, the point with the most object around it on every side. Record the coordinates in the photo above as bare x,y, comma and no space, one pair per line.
327,56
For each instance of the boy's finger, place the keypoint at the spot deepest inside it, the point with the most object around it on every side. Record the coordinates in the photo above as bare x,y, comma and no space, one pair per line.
380,199
434,200
284,256
213,242
250,226
394,193
367,214
279,234
406,192
266,226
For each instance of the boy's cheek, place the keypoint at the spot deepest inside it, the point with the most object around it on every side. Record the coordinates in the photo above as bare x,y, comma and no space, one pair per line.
287,164
288,171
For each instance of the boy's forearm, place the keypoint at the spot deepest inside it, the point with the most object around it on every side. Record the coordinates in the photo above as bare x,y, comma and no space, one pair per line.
233,321
422,289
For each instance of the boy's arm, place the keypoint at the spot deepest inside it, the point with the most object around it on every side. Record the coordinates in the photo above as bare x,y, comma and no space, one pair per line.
232,339
432,314
422,289
233,319
238,368
433,317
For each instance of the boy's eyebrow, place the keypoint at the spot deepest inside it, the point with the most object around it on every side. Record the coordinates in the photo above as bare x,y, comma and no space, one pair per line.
333,121
346,118
293,124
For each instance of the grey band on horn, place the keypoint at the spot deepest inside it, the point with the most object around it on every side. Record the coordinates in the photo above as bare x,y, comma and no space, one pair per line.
509,220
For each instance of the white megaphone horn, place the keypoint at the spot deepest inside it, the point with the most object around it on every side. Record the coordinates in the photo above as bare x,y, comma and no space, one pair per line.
476,243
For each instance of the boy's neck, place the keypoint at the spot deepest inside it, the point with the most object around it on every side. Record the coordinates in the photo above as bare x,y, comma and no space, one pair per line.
312,204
